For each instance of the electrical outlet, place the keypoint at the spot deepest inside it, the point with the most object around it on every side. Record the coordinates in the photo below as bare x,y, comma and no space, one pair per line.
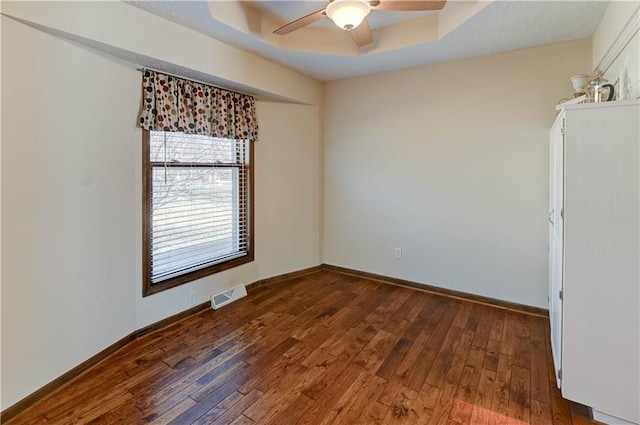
397,253
192,299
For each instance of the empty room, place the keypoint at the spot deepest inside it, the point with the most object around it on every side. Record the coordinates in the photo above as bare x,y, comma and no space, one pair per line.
320,212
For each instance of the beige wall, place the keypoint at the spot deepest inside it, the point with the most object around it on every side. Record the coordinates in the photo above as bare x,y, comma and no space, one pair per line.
71,195
450,163
614,20
626,66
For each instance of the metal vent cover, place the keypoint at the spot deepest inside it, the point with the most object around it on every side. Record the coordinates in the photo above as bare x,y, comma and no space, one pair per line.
228,296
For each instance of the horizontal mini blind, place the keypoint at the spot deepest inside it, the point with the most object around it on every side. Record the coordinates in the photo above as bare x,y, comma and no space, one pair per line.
199,203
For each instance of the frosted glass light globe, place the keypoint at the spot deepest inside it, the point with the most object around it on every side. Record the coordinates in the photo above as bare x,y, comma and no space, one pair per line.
348,14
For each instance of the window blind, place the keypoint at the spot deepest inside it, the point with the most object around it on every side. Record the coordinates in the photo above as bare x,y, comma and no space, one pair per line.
199,202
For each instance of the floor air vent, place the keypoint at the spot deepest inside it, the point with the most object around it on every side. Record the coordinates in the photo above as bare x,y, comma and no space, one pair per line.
225,297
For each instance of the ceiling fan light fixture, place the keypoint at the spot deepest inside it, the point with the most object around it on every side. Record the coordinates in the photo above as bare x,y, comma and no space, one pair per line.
348,14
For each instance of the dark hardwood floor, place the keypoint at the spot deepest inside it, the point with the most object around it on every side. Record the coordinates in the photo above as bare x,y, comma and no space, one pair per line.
325,349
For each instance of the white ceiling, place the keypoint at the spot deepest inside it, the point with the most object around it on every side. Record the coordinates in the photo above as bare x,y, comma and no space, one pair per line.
502,25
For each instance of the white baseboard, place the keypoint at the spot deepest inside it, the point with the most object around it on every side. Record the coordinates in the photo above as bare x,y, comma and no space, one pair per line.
609,419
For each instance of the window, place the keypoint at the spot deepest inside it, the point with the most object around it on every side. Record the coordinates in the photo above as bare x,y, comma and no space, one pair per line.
197,209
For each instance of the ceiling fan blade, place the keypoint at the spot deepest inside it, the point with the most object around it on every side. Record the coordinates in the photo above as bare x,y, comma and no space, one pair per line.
410,5
302,22
362,34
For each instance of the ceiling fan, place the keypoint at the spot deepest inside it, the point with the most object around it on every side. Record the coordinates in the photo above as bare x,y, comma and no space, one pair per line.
351,15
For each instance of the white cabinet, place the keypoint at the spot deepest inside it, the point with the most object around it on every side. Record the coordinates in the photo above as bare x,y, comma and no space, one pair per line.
594,297
556,236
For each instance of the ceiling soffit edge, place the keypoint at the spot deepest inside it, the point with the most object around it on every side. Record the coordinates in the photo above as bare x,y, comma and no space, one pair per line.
138,60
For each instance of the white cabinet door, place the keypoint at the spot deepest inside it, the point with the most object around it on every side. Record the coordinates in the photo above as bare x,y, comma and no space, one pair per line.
556,242
601,306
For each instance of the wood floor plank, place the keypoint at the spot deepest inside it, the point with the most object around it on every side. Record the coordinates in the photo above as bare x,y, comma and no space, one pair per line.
325,348
407,408
28,418
494,343
481,410
475,315
103,376
292,413
363,397
394,358
321,353
168,414
212,400
321,377
519,397
321,328
522,348
350,396
430,395
483,331
355,342
201,378
468,387
86,412
444,357
378,415
272,367
235,411
560,409
79,405
402,371
541,413
507,342
242,420
217,411
117,414
419,410
272,376
448,387
418,323
416,376
211,381
324,404
492,354
71,396
501,391
540,387
408,310
375,352
463,316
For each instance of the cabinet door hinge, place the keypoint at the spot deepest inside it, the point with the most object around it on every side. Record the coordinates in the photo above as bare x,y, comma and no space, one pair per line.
562,213
561,295
560,374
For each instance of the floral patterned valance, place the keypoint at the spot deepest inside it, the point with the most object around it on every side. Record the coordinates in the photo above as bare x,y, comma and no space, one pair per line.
174,104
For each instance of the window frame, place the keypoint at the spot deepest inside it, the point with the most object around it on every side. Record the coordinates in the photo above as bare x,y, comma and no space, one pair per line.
150,288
